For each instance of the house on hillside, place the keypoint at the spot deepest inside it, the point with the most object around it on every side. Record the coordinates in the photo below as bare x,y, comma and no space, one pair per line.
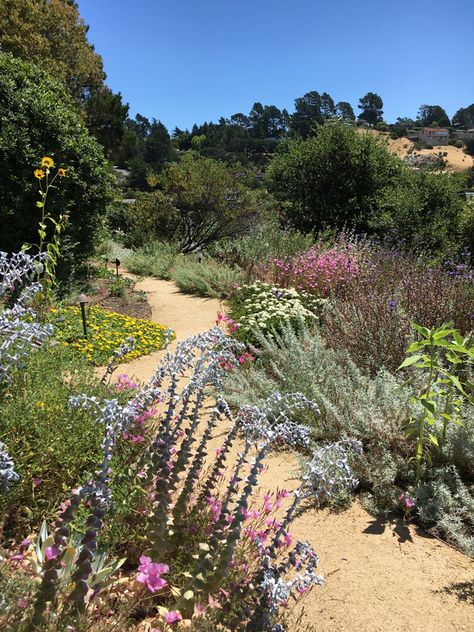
463,134
434,135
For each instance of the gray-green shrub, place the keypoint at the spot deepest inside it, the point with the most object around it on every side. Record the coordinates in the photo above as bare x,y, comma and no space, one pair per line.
153,259
208,278
375,411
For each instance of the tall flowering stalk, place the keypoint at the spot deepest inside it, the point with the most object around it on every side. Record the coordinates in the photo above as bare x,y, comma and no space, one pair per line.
46,182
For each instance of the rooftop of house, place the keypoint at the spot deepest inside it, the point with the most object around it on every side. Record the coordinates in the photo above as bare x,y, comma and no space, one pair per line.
435,129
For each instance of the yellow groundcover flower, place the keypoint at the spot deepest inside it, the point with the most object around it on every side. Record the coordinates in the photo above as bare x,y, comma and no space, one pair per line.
39,173
47,162
61,173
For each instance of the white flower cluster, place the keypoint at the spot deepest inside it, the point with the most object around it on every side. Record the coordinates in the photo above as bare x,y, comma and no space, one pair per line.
265,306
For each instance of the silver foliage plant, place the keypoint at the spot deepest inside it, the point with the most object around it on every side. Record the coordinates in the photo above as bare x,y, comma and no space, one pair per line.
172,468
19,333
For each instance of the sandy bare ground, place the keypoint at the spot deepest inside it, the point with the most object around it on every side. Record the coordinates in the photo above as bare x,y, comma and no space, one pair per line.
379,577
456,160
186,315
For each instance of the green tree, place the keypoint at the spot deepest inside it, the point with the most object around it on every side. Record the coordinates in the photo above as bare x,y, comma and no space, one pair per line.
200,201
464,117
334,178
307,114
328,109
429,115
52,33
344,111
39,118
106,115
423,210
372,108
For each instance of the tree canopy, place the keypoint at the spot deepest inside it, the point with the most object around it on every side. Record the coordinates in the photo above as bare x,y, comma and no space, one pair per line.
333,178
464,117
199,201
430,115
52,34
372,108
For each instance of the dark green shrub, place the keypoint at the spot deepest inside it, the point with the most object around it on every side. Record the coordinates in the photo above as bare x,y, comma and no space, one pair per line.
38,118
423,209
333,178
470,146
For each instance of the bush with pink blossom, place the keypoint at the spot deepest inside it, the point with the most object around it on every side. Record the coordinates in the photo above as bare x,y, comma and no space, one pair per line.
316,271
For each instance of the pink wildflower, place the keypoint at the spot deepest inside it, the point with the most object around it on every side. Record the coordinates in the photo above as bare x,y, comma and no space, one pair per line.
51,552
407,501
150,574
173,616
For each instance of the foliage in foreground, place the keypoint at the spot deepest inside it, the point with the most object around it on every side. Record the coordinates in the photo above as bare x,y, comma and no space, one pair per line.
219,543
375,411
52,450
106,332
186,521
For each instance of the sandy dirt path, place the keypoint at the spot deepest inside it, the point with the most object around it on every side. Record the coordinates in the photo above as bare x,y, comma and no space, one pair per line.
379,576
186,315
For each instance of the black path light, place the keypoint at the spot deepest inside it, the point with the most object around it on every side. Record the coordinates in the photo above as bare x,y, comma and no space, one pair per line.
82,300
117,265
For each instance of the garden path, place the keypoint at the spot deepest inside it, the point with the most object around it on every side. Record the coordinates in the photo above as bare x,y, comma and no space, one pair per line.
379,576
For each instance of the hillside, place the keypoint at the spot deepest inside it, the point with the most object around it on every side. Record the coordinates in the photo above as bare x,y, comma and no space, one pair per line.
457,160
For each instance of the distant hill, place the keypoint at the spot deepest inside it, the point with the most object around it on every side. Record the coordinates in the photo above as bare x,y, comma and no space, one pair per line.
456,159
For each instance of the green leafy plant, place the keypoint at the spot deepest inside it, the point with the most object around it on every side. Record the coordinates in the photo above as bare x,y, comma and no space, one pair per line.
445,360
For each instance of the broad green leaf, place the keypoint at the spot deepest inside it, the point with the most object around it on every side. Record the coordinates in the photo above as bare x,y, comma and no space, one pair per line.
409,361
421,330
429,405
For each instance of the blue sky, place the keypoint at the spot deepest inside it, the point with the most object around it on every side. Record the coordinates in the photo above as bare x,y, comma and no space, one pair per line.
190,61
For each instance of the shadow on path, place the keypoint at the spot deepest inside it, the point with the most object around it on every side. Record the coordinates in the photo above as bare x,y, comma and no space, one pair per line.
398,526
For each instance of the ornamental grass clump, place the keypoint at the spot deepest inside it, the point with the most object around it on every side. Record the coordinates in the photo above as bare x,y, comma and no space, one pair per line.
206,548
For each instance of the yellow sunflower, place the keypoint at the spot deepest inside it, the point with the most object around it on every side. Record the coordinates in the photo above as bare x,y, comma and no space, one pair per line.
47,162
39,173
61,173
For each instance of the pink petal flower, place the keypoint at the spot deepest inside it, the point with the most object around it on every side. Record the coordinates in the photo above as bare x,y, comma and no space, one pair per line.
51,552
173,616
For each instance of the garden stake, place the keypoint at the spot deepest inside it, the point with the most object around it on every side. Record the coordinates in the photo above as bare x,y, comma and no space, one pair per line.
82,300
